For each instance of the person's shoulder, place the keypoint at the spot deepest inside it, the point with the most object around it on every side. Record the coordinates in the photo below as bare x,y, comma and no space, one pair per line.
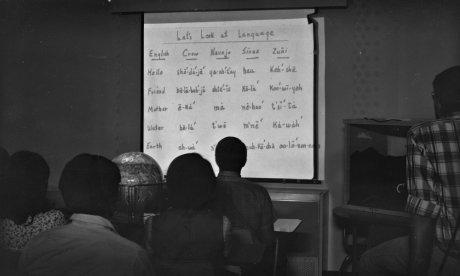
425,129
114,244
54,213
52,231
81,236
45,239
432,124
255,187
6,223
49,219
244,185
415,129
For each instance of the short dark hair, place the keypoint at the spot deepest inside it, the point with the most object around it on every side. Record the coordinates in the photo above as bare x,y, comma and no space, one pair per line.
89,184
231,154
27,179
191,182
446,87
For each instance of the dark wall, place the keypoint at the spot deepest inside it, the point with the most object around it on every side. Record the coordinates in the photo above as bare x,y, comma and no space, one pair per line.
70,79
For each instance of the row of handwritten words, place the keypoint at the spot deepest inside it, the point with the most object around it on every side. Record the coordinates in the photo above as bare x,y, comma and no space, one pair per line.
219,53
250,124
198,71
293,143
200,90
277,105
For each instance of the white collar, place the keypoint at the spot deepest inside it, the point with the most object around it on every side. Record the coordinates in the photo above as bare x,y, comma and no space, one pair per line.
228,174
92,219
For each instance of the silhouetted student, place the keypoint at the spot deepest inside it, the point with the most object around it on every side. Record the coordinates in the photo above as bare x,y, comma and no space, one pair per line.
247,205
433,182
26,211
189,237
89,244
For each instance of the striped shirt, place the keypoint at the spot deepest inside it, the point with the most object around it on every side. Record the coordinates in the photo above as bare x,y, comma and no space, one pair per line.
433,175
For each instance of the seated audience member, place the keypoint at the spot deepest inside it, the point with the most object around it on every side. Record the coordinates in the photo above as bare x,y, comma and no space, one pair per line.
89,244
188,238
433,182
247,205
25,211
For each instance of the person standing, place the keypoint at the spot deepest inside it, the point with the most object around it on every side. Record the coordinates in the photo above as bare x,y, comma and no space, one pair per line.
247,204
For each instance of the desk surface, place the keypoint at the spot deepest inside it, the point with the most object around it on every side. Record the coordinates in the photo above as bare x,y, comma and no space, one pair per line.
368,215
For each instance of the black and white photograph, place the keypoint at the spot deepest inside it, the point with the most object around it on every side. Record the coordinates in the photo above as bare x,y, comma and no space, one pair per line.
230,137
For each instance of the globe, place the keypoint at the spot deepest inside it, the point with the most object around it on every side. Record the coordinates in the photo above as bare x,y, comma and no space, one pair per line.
140,186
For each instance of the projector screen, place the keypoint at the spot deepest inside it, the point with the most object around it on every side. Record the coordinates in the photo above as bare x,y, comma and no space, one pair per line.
252,79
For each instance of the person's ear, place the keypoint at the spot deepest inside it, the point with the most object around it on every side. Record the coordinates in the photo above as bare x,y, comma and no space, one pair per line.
437,105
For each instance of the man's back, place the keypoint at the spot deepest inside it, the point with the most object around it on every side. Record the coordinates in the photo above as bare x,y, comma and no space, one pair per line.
433,172
252,203
87,246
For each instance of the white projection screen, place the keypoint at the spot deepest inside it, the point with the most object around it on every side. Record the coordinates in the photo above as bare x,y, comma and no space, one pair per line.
245,74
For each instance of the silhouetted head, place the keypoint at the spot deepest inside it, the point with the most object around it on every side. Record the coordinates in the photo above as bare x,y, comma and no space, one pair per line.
231,154
446,94
26,178
89,185
191,182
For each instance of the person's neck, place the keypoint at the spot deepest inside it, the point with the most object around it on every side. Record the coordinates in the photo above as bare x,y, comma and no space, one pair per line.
231,172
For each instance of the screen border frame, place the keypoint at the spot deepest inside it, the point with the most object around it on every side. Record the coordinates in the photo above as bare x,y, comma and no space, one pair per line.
315,179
